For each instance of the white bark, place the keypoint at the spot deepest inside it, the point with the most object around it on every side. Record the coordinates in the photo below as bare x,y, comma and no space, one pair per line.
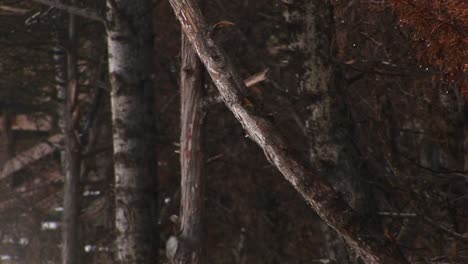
130,58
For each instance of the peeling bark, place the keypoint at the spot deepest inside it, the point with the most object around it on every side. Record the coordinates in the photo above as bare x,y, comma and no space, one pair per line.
190,249
129,30
329,204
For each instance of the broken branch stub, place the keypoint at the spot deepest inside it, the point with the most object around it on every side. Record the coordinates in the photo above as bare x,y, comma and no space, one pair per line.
329,204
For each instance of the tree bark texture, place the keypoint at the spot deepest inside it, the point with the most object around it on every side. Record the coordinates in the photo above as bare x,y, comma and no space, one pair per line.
329,204
129,30
6,139
328,126
60,71
465,130
190,249
6,133
71,249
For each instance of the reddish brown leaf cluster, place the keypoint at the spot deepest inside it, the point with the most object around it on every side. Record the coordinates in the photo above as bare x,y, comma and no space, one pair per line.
439,31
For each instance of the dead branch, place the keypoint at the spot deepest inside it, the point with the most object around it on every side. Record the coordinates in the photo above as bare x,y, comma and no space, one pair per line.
328,204
74,10
192,182
14,10
249,82
256,78
29,156
429,221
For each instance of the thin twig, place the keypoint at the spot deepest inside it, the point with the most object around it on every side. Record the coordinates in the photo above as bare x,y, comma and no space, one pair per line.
428,220
75,10
14,10
249,83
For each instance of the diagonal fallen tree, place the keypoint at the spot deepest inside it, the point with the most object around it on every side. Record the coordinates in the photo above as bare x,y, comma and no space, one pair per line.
328,203
29,156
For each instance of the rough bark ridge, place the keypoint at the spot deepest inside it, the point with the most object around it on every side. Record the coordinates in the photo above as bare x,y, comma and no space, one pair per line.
322,197
191,157
129,29
320,82
328,125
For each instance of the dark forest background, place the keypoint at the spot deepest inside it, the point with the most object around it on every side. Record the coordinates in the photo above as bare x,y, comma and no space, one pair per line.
407,130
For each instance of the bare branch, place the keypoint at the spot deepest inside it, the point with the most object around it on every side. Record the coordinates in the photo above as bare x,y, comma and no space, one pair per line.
31,155
328,204
13,10
431,222
249,82
256,78
75,10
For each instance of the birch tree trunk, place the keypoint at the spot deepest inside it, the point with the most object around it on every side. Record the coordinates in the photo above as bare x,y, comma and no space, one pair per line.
129,39
190,249
71,249
60,71
329,204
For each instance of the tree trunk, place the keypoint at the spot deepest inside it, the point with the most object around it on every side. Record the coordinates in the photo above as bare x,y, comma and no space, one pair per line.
60,71
130,48
328,126
329,205
190,249
6,139
465,132
71,249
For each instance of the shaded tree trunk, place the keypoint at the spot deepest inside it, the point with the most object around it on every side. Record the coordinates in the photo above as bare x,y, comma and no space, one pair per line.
6,138
328,126
329,204
191,158
60,71
465,139
129,41
71,249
